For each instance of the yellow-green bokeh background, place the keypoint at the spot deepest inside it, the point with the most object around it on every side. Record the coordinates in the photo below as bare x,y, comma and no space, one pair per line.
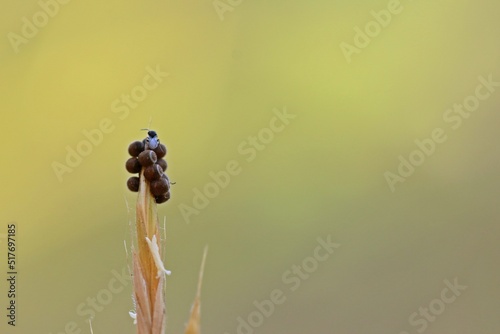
323,175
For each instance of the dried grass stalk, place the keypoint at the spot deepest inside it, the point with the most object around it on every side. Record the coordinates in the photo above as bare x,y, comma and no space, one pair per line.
193,326
148,273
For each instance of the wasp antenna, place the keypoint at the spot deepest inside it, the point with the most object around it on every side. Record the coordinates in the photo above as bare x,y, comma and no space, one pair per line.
149,124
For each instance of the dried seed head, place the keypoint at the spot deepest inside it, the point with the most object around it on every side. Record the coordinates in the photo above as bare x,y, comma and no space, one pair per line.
163,164
153,172
159,187
133,166
135,148
147,158
133,184
161,151
162,198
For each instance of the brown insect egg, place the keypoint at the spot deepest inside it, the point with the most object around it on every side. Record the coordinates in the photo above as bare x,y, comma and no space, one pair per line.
133,184
153,172
165,176
163,164
147,158
161,151
163,198
133,165
135,148
159,187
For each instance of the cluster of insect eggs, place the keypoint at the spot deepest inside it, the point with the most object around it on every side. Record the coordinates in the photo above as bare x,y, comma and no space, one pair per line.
149,154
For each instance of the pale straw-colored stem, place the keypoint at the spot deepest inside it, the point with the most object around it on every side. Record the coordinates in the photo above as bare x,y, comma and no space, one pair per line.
193,326
149,271
148,284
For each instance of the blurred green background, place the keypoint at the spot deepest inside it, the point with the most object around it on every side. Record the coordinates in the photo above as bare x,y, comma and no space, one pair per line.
322,175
